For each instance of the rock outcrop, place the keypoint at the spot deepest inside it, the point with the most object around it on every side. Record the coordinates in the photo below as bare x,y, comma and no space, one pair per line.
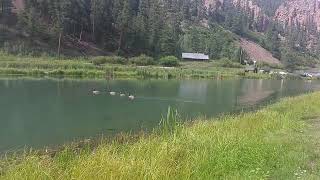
254,11
261,20
213,4
18,5
303,13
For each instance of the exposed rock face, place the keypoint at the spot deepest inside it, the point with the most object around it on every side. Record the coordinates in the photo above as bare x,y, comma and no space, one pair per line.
213,4
250,7
305,13
18,5
254,11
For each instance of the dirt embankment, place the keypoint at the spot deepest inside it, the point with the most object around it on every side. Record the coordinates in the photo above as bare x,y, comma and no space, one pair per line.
258,53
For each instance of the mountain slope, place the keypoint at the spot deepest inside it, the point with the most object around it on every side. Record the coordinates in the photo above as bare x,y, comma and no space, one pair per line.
258,53
286,28
304,13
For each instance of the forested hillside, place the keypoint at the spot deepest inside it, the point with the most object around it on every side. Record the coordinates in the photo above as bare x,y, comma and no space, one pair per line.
126,27
153,27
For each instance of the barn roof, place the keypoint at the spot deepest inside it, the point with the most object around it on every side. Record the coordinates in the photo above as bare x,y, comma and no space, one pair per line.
198,56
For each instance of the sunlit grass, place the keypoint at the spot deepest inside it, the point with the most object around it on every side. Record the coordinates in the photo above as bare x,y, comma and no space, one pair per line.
267,144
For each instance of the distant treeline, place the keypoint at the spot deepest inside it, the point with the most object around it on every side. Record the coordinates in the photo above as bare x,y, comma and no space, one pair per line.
154,27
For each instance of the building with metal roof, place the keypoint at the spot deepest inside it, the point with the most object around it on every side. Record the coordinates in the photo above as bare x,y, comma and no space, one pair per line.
195,57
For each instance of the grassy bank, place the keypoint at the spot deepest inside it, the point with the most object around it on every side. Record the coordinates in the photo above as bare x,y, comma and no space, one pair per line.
273,143
46,66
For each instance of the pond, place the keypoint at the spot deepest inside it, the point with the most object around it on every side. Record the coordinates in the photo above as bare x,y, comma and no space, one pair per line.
48,112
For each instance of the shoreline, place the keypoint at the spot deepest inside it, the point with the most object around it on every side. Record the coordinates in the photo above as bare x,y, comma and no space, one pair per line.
142,73
81,68
272,142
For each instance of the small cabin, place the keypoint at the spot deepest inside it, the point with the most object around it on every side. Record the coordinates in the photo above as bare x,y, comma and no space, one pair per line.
195,57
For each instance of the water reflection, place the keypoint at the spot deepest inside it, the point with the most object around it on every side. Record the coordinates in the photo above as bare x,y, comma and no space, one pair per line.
38,112
193,91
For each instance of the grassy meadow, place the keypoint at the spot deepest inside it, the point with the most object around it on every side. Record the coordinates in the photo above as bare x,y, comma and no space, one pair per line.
49,66
276,142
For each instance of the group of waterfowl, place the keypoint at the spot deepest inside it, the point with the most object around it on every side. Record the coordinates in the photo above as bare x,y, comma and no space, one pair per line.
131,97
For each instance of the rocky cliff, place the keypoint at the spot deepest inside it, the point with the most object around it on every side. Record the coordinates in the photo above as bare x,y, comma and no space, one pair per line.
255,12
250,6
213,4
18,5
304,13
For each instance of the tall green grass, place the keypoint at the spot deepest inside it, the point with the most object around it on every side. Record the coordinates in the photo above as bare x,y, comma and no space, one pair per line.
271,143
102,67
118,67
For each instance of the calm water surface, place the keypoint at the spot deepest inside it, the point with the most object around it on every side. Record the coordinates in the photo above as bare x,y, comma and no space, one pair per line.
45,112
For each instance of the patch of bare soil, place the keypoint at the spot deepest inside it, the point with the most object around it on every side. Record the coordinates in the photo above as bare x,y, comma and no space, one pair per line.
258,53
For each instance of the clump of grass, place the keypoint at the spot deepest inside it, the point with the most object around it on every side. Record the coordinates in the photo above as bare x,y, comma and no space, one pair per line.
171,123
169,61
229,64
267,144
142,60
99,60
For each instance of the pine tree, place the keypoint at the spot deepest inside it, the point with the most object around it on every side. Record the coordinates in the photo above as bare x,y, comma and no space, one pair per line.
5,7
60,20
123,22
274,40
156,26
142,25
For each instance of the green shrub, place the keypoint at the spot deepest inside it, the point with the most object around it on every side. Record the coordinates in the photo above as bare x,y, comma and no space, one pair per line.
273,66
99,60
142,60
229,64
169,61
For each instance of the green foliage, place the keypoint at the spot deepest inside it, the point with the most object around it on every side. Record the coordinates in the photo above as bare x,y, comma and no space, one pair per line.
5,8
214,41
294,60
125,27
157,28
99,60
273,40
171,124
169,61
268,65
142,60
229,64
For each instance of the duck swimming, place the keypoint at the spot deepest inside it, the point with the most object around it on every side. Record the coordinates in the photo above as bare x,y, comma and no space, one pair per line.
113,93
122,95
95,92
131,97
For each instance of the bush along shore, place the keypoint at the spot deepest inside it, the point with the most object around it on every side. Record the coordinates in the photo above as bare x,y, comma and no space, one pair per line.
277,142
117,67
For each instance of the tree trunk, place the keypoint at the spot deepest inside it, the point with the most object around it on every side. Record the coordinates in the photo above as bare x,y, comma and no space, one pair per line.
241,55
80,37
120,41
93,28
59,46
2,7
93,20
